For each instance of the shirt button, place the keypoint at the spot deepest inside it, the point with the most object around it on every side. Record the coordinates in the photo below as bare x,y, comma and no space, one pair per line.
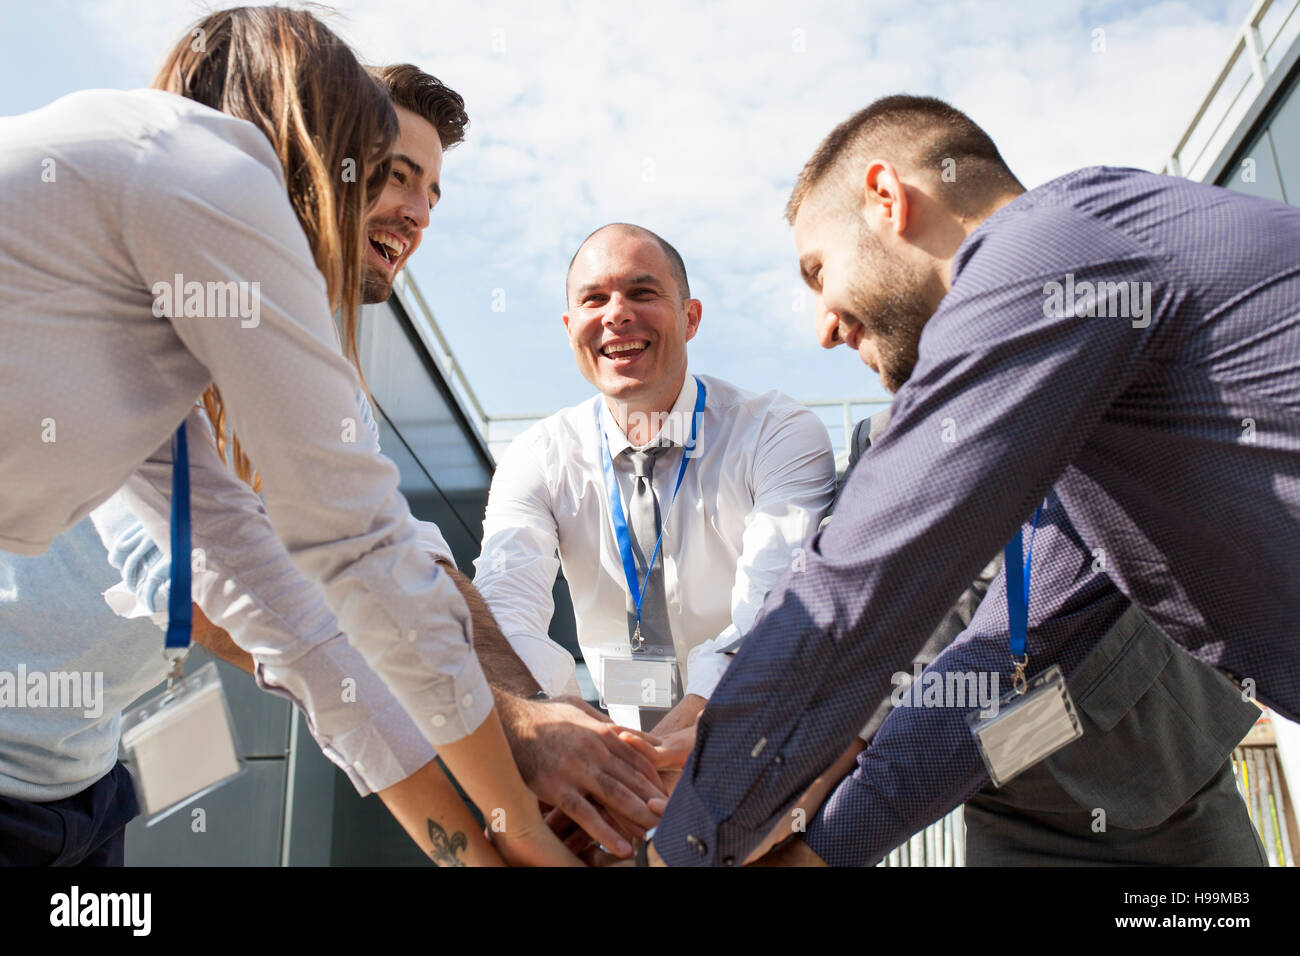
696,842
777,759
438,720
467,701
729,861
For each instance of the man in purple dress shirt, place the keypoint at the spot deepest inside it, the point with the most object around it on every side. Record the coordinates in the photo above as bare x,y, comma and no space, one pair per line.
1128,341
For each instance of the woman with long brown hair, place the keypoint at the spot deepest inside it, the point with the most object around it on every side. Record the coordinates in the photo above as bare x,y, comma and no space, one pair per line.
155,247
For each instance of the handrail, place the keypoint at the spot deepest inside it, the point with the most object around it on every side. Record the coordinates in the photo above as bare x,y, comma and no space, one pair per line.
1250,44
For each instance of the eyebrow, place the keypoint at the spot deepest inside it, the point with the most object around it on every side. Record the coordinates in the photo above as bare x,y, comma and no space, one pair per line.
643,279
418,172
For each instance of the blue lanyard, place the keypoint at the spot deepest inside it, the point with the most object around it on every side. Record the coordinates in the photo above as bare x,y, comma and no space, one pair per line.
616,504
179,613
1017,581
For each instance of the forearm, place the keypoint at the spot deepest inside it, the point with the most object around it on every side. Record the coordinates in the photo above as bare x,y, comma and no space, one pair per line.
686,712
483,765
504,670
208,635
426,803
432,812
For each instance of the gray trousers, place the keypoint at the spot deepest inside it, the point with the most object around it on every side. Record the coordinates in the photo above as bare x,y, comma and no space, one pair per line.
1032,821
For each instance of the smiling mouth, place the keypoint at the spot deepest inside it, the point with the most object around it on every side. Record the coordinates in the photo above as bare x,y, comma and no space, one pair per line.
388,246
624,350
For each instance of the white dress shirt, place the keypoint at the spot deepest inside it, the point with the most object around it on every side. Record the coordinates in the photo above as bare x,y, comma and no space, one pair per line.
105,194
760,479
247,586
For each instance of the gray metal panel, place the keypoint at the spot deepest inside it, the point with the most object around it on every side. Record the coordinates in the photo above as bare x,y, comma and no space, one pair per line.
366,834
241,825
1284,128
261,719
1266,182
310,818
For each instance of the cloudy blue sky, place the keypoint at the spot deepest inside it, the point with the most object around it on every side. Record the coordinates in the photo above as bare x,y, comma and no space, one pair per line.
692,119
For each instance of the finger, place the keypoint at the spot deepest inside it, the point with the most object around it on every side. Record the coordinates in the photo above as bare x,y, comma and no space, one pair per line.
588,817
660,757
639,743
616,796
638,753
560,823
628,732
579,842
629,828
648,790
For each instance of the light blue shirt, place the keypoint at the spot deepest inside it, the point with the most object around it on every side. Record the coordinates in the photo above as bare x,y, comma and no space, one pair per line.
70,663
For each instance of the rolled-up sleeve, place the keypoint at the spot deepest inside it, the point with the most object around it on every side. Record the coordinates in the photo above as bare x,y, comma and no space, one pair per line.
1003,396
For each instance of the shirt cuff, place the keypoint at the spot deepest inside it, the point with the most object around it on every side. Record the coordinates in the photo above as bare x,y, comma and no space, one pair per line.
705,666
687,834
375,749
550,664
430,540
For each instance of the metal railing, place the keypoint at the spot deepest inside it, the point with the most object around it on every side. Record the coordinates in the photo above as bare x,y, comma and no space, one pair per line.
1265,35
412,299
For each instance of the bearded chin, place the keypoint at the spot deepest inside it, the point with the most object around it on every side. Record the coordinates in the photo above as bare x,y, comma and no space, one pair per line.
375,287
896,317
898,359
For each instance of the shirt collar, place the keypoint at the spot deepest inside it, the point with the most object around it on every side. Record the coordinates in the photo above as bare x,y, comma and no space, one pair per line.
676,428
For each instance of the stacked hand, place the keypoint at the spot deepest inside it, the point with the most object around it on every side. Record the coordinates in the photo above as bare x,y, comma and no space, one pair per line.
602,787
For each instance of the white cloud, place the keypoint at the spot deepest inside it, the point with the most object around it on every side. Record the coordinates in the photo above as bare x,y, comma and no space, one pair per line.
694,119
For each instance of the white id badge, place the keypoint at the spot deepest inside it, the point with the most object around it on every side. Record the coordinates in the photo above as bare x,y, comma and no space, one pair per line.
639,680
1027,727
181,744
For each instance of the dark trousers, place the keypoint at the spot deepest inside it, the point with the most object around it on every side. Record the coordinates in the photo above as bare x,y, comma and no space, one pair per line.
85,829
1034,822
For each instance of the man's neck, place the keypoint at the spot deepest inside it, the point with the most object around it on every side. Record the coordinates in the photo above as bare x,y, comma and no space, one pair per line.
642,418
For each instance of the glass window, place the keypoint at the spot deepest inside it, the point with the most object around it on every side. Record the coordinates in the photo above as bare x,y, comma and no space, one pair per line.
1256,173
1284,129
444,476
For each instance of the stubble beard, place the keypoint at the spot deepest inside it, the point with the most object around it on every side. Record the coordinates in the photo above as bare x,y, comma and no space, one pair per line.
893,313
375,287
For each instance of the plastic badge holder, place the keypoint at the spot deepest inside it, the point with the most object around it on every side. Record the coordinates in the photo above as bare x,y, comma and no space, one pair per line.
642,680
181,744
1027,727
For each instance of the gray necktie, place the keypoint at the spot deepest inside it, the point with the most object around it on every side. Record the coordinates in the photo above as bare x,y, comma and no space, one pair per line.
643,520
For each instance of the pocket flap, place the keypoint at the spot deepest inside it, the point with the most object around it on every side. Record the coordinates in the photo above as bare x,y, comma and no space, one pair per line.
1120,669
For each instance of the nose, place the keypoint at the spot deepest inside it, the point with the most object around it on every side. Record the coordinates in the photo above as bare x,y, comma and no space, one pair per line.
416,212
828,330
619,312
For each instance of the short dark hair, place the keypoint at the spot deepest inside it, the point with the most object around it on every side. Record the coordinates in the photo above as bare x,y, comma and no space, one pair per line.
411,88
674,258
924,133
